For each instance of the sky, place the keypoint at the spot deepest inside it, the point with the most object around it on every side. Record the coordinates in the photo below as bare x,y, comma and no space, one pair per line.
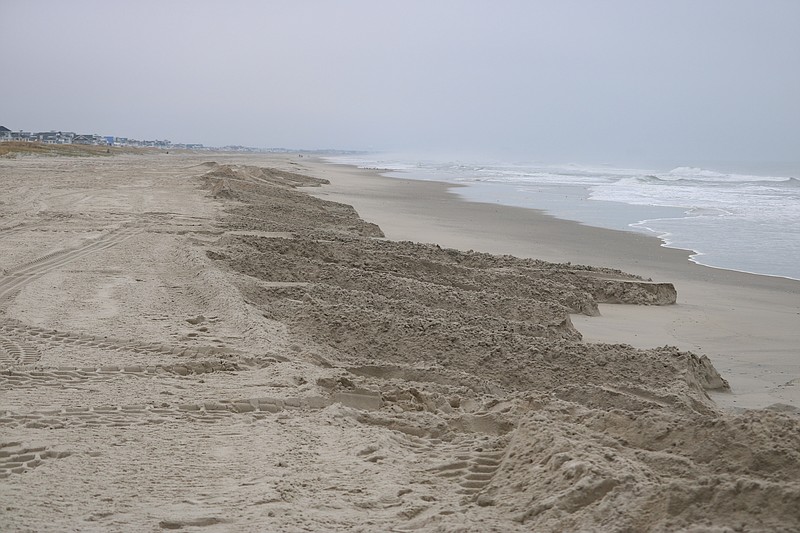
558,80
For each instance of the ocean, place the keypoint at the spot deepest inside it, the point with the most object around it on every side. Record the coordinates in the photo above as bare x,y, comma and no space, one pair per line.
745,220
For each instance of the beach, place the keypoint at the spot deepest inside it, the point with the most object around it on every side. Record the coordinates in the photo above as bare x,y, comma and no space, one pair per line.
749,325
250,342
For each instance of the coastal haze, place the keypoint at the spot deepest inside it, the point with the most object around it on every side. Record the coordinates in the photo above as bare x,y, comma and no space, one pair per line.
453,266
621,82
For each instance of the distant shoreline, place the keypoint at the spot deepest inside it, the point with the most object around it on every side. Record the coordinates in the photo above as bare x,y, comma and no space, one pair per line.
629,199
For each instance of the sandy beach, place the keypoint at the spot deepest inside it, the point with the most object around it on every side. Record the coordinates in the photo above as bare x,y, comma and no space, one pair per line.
235,342
748,325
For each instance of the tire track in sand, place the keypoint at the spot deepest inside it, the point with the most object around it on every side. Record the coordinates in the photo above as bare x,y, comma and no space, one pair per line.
17,458
65,377
21,344
13,230
473,465
15,279
14,352
210,411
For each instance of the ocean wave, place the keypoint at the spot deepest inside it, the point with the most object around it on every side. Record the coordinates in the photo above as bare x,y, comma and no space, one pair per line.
650,184
705,175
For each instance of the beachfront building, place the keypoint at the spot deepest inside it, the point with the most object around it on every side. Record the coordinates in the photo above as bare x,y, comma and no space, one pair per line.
88,139
45,137
68,137
8,135
55,137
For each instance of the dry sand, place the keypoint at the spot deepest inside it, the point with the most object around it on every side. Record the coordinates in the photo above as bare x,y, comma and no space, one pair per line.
205,346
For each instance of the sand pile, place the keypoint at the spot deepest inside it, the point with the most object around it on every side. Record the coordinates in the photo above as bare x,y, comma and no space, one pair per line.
366,300
207,346
599,436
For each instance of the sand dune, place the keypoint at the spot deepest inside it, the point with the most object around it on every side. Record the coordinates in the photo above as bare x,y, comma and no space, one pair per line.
198,345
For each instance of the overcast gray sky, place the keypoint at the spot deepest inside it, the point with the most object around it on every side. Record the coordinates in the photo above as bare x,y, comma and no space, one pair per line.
580,80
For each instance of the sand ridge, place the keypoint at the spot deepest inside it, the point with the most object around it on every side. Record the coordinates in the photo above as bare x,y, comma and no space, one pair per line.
205,346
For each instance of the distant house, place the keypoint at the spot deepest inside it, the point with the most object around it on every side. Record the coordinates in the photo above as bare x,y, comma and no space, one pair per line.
55,137
88,139
50,137
69,137
8,135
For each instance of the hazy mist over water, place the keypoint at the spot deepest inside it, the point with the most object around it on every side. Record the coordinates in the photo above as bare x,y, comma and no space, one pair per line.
620,82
